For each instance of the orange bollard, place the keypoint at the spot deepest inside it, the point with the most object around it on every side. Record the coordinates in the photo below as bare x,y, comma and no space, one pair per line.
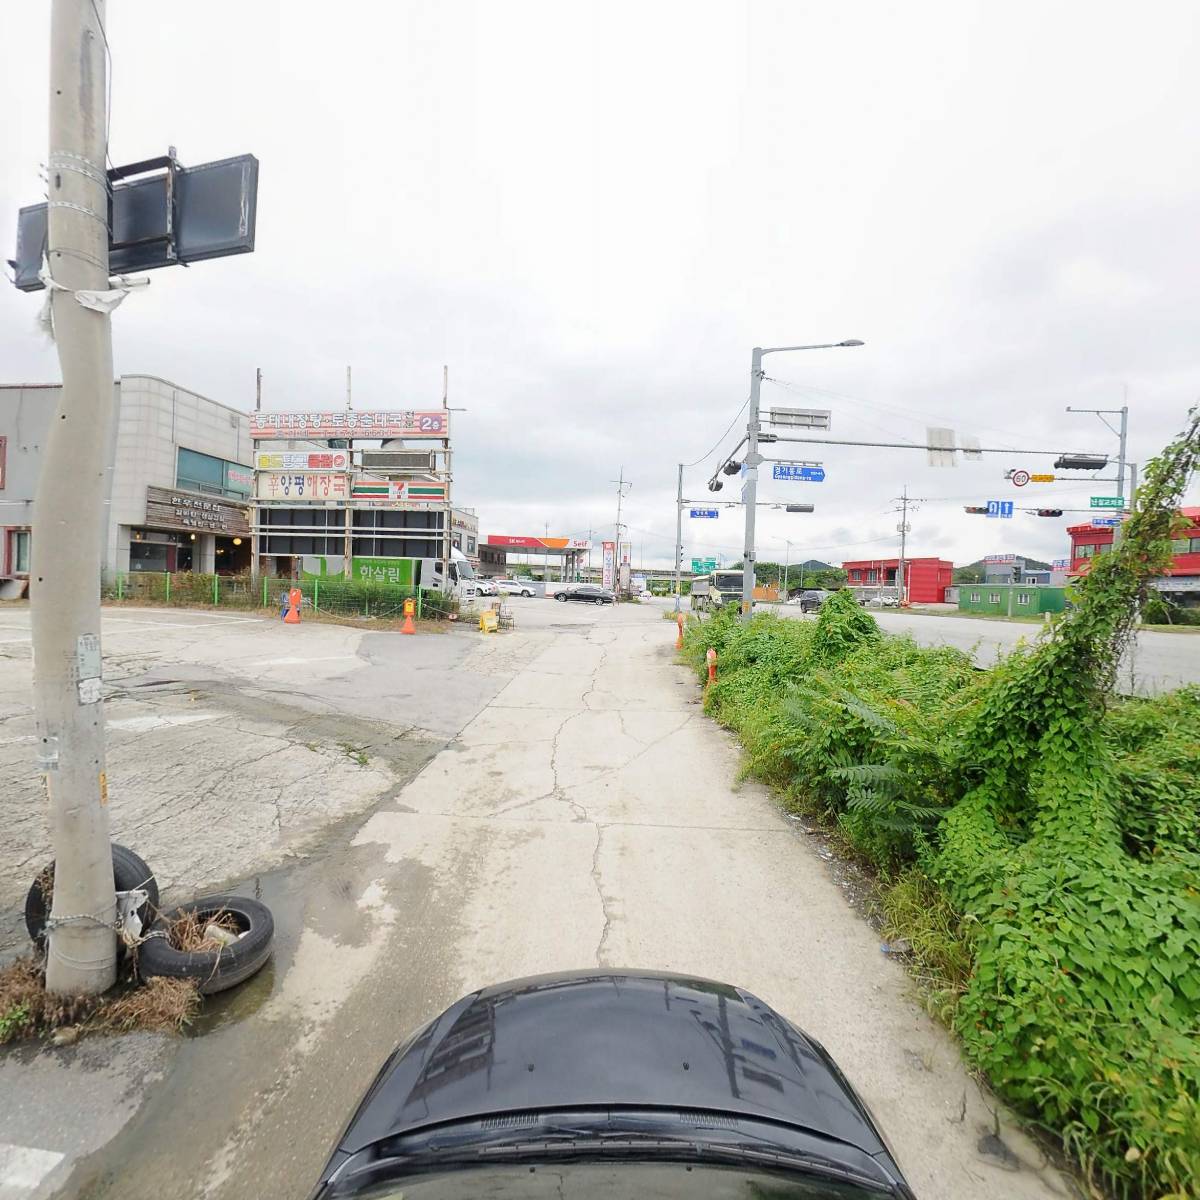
410,607
295,599
679,639
711,658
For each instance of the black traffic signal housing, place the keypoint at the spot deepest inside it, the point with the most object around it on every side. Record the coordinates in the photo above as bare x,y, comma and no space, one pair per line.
1049,512
980,509
1080,462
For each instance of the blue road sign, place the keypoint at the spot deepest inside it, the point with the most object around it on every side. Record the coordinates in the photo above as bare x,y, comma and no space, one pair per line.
804,472
1106,522
702,512
999,508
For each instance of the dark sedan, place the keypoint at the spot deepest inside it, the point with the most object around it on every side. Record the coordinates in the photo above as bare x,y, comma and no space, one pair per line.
614,1084
587,593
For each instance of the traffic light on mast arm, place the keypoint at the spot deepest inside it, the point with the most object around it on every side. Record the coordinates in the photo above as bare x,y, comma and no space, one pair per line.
1049,512
980,509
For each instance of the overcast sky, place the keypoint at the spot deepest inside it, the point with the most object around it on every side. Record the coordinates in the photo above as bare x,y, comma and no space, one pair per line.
592,212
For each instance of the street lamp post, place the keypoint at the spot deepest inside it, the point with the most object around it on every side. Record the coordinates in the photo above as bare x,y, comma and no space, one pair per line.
753,458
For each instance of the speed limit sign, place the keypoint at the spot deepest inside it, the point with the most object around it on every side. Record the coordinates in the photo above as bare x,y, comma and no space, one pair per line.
1020,478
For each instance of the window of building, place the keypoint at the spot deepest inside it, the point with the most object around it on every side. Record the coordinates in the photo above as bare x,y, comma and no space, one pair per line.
1024,598
18,551
856,576
1085,551
470,544
1186,545
974,597
993,597
870,576
213,476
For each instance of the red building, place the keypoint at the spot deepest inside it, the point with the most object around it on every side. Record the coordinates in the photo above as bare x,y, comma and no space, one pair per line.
1182,580
925,579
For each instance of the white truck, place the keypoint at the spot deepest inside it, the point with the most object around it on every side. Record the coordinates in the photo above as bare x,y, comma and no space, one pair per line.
461,583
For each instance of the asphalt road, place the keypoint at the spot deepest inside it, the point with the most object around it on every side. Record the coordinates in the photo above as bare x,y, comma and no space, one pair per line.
584,812
1158,662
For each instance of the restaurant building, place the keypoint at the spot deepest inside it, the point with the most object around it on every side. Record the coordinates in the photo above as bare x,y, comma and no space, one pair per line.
179,488
925,579
1180,583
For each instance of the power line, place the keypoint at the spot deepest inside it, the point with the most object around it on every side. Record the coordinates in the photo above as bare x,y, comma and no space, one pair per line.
722,437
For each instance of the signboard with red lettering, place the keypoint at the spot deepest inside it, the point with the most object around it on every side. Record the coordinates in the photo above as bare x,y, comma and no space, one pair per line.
320,426
302,460
300,485
610,564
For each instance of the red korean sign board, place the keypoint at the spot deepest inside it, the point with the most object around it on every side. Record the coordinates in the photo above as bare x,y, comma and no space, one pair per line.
321,426
302,460
301,485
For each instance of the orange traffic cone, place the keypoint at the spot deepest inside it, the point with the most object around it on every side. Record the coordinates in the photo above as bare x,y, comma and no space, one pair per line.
295,599
410,606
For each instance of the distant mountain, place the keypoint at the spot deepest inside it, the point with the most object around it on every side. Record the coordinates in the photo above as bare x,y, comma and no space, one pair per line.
973,572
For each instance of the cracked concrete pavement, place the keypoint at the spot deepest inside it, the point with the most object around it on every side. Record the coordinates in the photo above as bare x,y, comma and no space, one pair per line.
583,812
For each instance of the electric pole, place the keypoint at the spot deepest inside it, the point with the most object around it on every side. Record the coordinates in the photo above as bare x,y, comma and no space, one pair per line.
905,501
679,537
68,522
750,489
622,483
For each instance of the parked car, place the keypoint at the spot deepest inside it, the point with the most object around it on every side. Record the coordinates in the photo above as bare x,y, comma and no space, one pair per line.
513,587
812,600
611,1083
881,602
486,587
587,593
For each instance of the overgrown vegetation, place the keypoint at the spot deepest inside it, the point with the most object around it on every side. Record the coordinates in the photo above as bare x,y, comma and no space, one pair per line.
1040,837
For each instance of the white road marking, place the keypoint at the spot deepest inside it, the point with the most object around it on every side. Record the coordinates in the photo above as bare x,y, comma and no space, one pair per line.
159,721
22,1169
291,662
116,626
12,741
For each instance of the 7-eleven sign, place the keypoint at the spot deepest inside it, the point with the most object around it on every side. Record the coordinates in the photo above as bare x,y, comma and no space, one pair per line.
397,490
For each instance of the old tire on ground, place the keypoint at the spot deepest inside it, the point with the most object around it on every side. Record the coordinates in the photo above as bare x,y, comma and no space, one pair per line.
129,872
214,970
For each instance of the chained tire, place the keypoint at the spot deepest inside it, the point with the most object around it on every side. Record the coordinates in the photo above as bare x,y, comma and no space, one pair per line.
213,970
129,872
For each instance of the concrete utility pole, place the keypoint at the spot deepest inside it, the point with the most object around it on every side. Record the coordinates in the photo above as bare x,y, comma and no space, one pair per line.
69,521
679,537
754,458
622,483
903,546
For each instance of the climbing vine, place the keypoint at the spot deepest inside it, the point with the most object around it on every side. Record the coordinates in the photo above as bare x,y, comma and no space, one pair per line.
1060,823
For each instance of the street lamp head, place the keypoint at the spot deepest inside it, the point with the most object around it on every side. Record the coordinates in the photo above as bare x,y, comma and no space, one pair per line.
852,342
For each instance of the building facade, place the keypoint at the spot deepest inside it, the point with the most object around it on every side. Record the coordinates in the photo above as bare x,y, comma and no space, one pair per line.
464,532
1181,583
180,482
925,579
1011,599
